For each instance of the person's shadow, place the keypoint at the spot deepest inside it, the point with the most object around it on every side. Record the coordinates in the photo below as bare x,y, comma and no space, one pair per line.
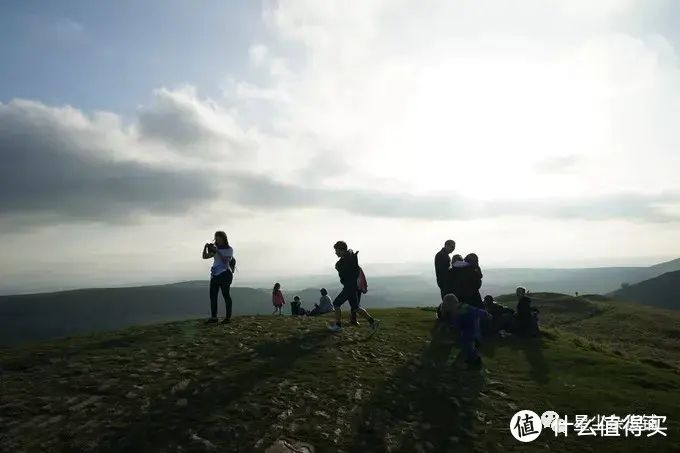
532,348
431,401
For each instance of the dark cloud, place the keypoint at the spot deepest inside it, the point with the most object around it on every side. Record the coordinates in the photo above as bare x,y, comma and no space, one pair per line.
56,164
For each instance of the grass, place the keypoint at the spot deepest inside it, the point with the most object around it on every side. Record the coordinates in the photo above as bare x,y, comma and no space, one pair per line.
185,387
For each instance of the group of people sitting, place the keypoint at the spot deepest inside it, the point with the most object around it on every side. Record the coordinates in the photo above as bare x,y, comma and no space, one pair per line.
462,308
324,306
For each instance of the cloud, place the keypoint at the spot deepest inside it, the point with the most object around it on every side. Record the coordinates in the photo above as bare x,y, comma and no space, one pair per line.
61,165
265,193
395,111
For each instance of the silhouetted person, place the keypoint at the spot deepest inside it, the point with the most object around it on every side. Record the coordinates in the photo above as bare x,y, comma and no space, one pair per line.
466,319
527,316
349,273
295,306
468,280
221,274
442,265
503,317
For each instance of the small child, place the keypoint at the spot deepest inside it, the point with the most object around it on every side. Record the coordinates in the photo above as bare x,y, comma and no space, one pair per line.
466,318
295,306
277,299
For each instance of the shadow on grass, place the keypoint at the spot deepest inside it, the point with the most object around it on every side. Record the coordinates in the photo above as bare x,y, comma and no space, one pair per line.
532,347
430,401
164,423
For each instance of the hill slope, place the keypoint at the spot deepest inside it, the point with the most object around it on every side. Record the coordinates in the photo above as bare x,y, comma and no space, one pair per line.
34,317
661,291
186,387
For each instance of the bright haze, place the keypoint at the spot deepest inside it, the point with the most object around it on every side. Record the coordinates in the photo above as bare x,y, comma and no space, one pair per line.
533,133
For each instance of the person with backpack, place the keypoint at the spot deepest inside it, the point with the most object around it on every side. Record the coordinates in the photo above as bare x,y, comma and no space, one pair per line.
469,280
349,273
277,299
221,274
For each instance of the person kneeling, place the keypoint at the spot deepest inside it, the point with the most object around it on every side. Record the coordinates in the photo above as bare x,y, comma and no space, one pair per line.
466,319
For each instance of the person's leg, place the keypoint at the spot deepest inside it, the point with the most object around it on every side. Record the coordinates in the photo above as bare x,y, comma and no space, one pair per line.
340,299
469,351
353,312
354,304
225,285
214,291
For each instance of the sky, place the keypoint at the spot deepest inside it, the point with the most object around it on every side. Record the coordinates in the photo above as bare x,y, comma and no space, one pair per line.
533,133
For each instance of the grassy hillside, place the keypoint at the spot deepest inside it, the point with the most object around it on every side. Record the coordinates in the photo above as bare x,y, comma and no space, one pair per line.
661,291
186,387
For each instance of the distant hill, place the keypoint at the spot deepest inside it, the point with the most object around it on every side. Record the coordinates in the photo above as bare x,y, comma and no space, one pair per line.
662,291
31,317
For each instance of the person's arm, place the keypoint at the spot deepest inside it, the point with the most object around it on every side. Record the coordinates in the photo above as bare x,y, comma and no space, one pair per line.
206,253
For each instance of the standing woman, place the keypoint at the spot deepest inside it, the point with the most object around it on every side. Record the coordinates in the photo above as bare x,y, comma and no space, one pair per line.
221,274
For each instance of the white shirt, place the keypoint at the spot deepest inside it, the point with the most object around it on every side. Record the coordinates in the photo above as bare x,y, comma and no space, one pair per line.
220,266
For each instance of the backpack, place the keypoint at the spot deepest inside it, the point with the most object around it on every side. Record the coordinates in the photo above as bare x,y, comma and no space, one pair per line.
362,284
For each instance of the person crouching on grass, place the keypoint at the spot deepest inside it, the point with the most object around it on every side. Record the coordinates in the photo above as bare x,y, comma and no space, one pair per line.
466,319
349,272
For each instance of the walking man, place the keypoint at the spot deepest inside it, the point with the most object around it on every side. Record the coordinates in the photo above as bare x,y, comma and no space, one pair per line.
348,271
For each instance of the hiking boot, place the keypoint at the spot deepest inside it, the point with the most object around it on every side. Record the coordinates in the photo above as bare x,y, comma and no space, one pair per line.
226,321
354,323
335,328
211,321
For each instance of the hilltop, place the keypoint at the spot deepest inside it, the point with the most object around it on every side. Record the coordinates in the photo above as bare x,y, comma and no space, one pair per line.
186,387
661,291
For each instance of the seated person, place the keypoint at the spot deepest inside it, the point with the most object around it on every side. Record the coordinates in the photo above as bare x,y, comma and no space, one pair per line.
466,319
503,317
324,306
295,306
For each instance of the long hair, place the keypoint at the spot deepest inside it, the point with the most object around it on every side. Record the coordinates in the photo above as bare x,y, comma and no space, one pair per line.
277,286
222,235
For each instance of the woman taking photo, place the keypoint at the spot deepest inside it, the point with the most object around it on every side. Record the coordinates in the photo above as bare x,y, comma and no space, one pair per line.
221,274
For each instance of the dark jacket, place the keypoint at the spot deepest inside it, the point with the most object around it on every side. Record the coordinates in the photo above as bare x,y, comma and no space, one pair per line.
524,308
467,282
348,269
442,263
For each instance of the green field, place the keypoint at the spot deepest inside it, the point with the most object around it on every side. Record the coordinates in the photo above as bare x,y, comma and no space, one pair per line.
185,387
